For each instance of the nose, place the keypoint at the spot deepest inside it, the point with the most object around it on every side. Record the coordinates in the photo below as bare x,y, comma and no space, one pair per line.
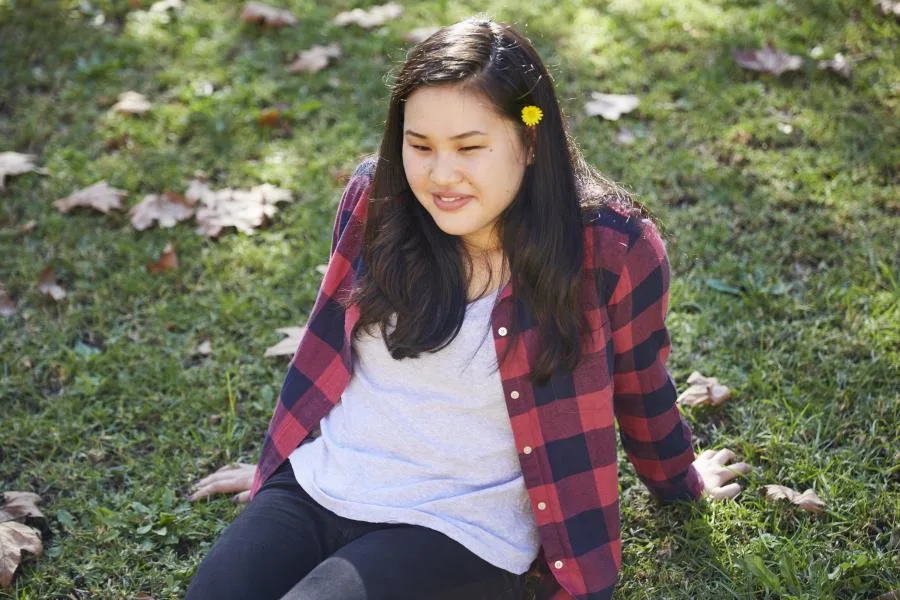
444,171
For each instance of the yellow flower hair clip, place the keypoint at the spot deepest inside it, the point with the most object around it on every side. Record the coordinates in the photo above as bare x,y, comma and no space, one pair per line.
532,115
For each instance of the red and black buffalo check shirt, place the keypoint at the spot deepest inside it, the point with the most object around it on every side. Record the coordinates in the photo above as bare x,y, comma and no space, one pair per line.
565,429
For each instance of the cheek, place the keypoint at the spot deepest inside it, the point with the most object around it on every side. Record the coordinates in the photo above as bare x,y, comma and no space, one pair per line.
413,169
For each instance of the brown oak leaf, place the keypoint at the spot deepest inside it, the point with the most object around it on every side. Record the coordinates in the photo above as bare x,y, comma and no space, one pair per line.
167,209
270,117
258,12
132,103
19,505
610,106
808,500
163,5
315,59
768,60
49,286
704,391
367,19
14,163
287,346
889,7
16,539
99,196
167,261
245,210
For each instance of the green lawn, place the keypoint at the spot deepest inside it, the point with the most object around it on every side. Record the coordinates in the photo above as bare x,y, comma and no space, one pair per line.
106,412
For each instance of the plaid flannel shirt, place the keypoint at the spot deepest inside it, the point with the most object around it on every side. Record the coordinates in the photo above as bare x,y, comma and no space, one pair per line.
564,430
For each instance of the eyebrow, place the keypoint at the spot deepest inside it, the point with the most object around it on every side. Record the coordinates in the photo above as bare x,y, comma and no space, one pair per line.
455,137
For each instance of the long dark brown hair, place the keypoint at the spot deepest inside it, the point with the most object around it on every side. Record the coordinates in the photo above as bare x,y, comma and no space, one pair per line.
417,272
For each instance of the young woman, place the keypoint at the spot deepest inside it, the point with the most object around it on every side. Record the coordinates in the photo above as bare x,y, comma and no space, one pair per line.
491,306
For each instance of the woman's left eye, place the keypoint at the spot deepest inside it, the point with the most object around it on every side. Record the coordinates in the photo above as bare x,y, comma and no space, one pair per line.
468,148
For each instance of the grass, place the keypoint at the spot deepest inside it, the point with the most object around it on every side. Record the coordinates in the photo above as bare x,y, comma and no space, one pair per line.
109,415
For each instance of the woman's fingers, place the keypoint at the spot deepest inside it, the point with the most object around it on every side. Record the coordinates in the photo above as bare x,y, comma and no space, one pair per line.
219,487
707,454
723,456
226,480
241,498
715,472
726,491
225,472
736,469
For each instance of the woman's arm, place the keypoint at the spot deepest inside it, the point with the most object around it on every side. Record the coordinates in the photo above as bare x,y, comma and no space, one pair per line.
656,438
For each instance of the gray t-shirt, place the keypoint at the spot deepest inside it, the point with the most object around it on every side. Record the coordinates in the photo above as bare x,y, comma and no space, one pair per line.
428,442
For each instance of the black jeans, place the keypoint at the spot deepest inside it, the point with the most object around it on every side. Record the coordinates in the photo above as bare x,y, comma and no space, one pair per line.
285,545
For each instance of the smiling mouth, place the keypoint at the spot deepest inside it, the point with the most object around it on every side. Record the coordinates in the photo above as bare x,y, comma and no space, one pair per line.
450,202
450,199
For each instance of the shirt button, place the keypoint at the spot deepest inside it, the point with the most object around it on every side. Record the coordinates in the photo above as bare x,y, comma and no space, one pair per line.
501,331
514,394
558,564
542,505
527,449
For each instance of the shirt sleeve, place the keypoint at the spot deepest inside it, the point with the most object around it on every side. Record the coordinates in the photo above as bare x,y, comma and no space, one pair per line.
656,438
354,189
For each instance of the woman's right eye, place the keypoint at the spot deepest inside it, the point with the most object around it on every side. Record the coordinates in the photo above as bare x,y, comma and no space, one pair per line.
420,148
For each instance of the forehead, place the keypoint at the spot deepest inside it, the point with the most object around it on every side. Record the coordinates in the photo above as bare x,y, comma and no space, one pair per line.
447,110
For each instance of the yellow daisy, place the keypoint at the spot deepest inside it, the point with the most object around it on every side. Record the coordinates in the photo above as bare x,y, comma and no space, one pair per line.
531,115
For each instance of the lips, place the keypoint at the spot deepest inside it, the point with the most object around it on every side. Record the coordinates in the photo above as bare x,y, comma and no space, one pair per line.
450,202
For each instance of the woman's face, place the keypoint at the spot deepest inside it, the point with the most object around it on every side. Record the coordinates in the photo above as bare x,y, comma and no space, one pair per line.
464,162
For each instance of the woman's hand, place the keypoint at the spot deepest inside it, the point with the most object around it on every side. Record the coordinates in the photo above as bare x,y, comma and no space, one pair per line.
236,477
715,471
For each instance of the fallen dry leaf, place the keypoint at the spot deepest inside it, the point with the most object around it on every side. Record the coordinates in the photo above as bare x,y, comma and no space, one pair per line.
894,595
20,505
7,306
269,117
167,209
768,60
164,5
420,34
167,261
808,500
610,106
15,539
28,226
244,210
838,64
14,163
287,346
204,349
49,286
367,19
704,391
99,196
315,59
257,12
132,103
889,7
321,269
